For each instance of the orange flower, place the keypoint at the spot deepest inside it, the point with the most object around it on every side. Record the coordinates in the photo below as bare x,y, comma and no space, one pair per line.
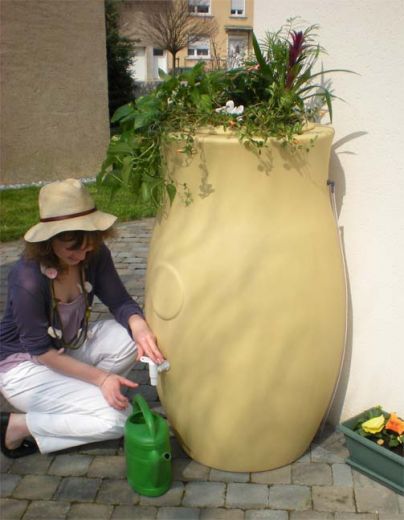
395,424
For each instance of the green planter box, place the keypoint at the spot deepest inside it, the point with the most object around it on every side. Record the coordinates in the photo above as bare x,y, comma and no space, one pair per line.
373,460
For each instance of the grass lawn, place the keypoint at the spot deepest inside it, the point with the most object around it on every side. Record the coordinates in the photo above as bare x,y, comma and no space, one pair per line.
19,208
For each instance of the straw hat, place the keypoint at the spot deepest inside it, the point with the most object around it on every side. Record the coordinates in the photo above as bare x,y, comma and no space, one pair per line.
67,206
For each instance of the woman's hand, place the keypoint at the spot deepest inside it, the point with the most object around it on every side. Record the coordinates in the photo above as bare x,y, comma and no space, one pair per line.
145,340
111,390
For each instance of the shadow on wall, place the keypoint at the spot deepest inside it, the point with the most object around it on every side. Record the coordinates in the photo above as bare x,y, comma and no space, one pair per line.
337,175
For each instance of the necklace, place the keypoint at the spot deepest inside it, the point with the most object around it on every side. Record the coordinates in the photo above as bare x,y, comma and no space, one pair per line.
58,335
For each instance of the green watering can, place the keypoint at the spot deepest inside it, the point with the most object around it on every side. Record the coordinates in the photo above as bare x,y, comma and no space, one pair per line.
147,450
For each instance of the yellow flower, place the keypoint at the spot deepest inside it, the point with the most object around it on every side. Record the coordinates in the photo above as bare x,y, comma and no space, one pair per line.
380,442
374,425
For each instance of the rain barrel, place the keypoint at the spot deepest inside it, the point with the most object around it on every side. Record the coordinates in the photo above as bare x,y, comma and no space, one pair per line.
245,291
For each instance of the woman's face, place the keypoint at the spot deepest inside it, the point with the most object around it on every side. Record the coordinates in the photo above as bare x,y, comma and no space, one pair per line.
69,253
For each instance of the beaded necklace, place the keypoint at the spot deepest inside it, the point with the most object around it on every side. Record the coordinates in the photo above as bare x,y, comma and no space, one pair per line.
57,334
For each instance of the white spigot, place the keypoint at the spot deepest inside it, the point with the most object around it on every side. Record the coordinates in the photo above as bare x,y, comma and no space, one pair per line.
154,369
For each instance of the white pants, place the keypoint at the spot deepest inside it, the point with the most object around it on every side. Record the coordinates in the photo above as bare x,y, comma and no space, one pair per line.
62,411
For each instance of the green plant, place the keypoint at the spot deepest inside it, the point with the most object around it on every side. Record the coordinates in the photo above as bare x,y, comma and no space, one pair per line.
386,429
120,53
274,94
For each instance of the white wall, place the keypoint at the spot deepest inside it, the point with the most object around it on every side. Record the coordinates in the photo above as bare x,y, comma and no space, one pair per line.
366,36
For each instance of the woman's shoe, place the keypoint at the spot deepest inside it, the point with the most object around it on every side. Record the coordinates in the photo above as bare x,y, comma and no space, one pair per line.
26,447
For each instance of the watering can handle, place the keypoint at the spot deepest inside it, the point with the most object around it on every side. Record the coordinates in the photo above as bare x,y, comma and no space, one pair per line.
140,402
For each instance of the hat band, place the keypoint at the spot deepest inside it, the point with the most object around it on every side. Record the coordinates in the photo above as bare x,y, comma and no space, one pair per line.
65,217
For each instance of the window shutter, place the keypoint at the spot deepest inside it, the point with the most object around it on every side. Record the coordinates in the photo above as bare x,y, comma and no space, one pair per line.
237,4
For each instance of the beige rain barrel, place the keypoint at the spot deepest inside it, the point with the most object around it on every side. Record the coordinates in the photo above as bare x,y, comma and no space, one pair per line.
245,291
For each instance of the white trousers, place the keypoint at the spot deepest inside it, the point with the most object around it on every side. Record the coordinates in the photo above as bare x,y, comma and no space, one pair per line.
62,411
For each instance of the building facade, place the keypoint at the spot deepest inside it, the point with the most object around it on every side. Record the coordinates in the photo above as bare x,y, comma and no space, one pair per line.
225,49
54,90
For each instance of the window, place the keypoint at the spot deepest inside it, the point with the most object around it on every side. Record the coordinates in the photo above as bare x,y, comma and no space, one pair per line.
236,50
199,6
199,49
158,52
237,8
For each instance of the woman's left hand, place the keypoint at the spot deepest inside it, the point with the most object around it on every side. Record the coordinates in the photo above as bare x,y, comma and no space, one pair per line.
146,342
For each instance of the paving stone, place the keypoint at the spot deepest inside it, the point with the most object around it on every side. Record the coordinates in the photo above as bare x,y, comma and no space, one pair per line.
177,452
331,450
46,509
158,408
139,376
116,491
178,513
289,497
8,482
89,512
248,496
108,467
186,469
361,480
400,503
228,476
173,497
36,487
306,457
12,509
355,516
342,475
266,514
204,494
148,392
104,448
134,513
74,465
5,462
311,474
337,499
391,516
221,514
78,489
311,515
274,476
33,465
370,501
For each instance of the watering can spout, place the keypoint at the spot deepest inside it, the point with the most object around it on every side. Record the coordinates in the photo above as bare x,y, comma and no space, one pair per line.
159,463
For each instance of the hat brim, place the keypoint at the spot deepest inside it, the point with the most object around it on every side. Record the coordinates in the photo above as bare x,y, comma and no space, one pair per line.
97,221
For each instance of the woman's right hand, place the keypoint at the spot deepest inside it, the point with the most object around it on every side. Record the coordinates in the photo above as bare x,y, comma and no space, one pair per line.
111,390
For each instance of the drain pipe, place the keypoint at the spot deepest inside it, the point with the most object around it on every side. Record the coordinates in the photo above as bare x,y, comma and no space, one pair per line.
331,185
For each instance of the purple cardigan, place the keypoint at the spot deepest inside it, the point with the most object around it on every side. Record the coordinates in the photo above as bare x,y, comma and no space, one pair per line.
24,327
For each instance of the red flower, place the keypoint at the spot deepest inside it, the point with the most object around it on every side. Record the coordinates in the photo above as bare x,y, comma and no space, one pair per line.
296,48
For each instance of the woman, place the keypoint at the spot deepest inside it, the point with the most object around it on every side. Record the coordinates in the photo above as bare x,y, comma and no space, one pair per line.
65,374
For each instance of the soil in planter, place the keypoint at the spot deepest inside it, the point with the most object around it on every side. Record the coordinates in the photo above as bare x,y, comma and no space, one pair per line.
398,450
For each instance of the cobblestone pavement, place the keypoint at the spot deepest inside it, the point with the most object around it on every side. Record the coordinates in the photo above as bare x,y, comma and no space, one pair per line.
89,483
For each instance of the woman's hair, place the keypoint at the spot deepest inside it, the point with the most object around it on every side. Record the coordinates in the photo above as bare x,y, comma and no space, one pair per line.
42,252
